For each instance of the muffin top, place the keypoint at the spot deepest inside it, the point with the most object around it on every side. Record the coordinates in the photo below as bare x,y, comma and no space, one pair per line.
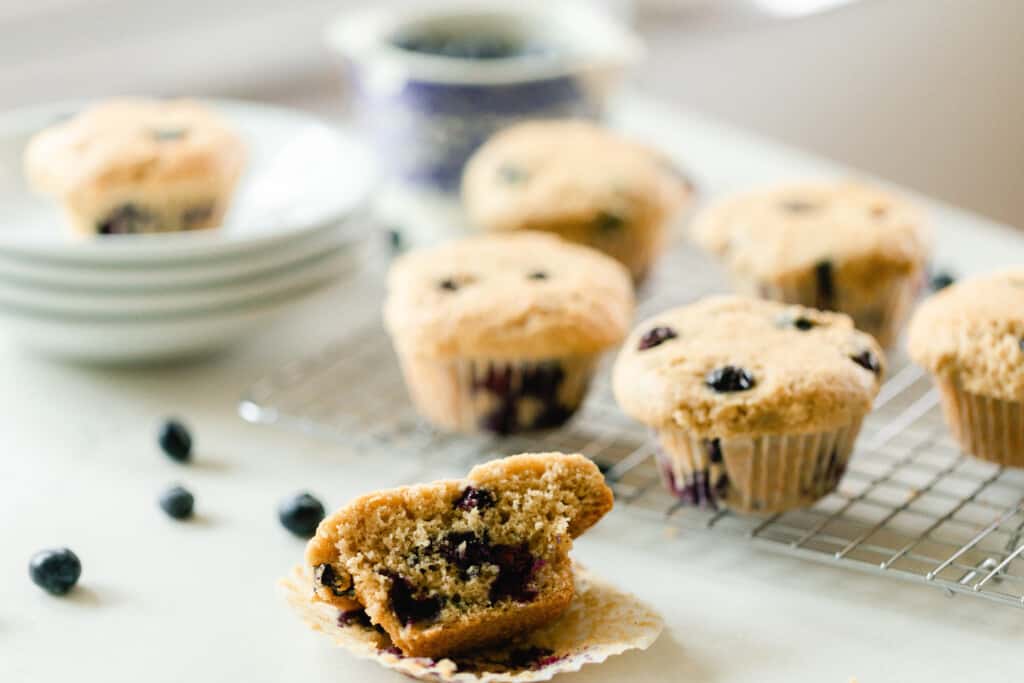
517,295
557,174
972,333
132,142
728,366
773,233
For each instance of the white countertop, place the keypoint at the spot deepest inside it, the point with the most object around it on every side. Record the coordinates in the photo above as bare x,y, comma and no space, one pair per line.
162,601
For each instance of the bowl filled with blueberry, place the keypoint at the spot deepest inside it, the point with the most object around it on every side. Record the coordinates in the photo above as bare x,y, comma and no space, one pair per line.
430,84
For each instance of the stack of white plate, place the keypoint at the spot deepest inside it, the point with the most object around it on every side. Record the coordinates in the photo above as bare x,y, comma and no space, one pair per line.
297,223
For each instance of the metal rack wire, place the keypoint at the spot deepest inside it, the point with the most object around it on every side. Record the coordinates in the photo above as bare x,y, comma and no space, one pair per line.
910,506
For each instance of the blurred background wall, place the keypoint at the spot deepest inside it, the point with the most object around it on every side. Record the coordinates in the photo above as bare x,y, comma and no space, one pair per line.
928,93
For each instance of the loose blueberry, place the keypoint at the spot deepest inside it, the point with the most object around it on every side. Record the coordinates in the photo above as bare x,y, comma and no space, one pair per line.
826,295
656,337
608,222
473,498
538,275
407,607
301,514
178,502
448,285
55,570
868,361
940,280
729,378
175,440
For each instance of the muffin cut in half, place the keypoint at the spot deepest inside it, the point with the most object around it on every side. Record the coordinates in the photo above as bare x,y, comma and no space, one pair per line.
460,564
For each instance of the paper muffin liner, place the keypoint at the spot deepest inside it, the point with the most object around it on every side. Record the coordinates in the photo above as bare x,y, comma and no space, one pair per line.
760,474
881,314
988,428
601,622
498,395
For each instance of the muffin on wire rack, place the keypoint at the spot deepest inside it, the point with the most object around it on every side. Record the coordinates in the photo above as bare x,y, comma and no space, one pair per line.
970,337
583,182
502,333
753,405
841,246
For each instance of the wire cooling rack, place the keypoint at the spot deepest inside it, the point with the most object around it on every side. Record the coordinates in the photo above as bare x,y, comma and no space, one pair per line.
910,505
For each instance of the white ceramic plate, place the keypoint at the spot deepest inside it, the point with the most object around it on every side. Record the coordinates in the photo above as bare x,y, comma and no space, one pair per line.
125,342
128,279
152,304
302,176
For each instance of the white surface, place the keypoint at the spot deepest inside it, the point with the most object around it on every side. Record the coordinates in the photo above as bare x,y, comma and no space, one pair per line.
165,602
301,175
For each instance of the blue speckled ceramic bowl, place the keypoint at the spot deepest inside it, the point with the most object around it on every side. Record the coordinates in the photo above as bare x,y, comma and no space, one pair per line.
427,111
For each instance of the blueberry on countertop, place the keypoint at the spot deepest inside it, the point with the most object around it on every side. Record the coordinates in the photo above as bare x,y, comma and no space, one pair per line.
729,378
301,514
177,502
175,440
55,570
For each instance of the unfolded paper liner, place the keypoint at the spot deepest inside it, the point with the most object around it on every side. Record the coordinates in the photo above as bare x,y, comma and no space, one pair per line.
882,317
760,474
602,621
498,395
988,428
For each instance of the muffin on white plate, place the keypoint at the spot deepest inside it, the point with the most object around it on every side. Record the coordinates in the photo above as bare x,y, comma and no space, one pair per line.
132,165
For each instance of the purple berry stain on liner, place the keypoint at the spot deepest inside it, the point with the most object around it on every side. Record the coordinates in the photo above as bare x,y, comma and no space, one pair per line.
539,383
656,336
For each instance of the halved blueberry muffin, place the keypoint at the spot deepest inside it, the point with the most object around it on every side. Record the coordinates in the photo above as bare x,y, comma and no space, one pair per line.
460,564
502,333
129,166
755,405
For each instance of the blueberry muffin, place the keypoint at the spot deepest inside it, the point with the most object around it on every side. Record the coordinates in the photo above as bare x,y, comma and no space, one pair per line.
578,180
502,332
755,405
460,564
842,246
970,337
138,166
